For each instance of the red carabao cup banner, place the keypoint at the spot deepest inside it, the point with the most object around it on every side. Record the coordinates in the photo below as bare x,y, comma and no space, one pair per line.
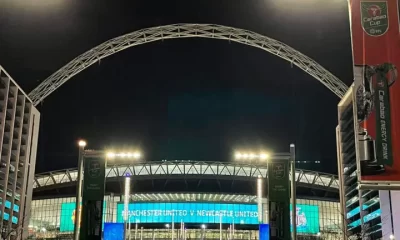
376,56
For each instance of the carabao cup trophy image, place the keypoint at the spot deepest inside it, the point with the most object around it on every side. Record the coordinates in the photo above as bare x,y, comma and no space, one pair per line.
372,85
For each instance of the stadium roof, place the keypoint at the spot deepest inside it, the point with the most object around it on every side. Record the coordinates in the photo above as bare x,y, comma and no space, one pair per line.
193,197
179,169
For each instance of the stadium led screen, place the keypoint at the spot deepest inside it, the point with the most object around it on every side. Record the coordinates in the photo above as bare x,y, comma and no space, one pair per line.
307,218
192,212
67,216
189,213
307,215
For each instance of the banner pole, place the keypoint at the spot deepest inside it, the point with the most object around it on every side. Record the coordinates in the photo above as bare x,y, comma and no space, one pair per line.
293,190
172,226
78,198
129,227
181,231
220,226
233,228
136,230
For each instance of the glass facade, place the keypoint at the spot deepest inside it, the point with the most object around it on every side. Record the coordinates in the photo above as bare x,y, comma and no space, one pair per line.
330,219
54,218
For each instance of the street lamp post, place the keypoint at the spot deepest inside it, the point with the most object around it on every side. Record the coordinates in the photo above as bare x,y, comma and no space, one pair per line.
203,227
259,198
220,227
129,227
173,226
293,189
136,229
233,228
126,203
78,199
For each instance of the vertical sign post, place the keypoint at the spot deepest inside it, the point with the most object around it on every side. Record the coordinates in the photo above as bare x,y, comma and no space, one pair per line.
93,198
173,226
220,226
78,199
259,198
279,199
126,204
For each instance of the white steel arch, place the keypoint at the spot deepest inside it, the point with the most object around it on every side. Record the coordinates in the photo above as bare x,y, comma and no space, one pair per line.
186,30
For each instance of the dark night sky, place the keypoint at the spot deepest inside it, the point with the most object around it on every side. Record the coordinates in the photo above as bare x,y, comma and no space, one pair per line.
193,99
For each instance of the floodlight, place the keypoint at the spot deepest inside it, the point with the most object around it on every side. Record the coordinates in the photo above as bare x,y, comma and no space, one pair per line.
264,156
82,143
137,155
238,155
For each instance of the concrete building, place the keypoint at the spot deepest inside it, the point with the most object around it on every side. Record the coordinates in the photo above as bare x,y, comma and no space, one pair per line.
19,129
365,212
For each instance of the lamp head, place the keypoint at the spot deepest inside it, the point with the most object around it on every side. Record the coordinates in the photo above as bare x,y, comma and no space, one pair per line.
82,143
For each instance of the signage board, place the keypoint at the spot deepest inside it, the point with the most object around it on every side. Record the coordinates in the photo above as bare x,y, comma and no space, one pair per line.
92,199
208,213
189,212
279,199
278,181
376,47
94,179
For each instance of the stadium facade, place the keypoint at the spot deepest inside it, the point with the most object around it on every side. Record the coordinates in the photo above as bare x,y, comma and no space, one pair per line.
200,194
19,127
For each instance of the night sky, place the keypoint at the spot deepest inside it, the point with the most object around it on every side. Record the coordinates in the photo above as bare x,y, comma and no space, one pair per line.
197,99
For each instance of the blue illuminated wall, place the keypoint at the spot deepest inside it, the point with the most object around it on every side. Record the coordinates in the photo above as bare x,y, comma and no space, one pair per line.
264,232
190,213
113,231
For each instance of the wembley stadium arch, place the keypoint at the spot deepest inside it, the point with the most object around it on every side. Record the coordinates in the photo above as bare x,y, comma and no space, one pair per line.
185,30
